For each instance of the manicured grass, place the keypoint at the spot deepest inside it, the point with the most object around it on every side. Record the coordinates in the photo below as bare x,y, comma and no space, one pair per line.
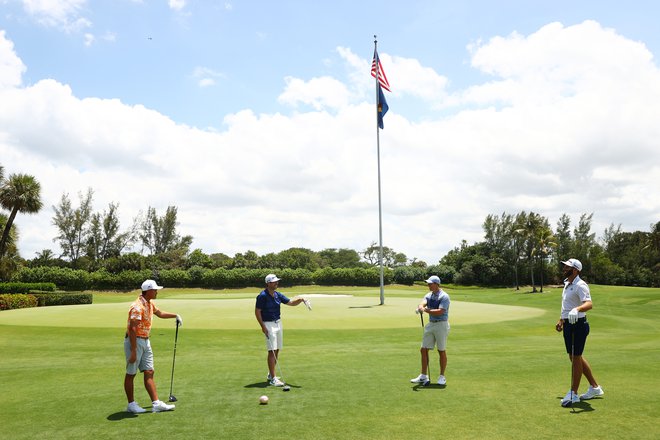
348,363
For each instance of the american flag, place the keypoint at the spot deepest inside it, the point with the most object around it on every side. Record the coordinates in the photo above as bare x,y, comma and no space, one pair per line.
378,72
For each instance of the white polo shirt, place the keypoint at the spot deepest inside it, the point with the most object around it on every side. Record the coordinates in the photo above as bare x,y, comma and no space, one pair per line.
574,295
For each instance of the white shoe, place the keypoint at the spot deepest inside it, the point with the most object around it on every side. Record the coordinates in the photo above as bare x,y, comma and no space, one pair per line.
592,392
570,398
159,406
422,378
276,382
442,380
134,408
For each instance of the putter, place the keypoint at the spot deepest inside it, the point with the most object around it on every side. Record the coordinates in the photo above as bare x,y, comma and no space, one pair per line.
277,365
308,304
176,337
428,368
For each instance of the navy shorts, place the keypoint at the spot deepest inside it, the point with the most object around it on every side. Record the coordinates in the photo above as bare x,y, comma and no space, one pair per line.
575,336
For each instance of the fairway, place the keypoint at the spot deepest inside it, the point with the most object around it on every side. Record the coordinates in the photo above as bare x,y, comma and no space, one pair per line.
348,363
200,311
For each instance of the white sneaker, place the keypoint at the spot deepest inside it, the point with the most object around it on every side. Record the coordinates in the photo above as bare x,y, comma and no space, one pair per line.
276,382
422,378
570,398
134,408
592,392
159,406
442,380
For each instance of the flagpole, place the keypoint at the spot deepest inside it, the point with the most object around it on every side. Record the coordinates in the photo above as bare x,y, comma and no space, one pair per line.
380,209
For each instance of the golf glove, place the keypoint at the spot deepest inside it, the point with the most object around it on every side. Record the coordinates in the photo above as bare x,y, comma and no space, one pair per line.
573,316
179,320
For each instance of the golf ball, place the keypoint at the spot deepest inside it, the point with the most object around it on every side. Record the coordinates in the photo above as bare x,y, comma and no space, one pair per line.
263,400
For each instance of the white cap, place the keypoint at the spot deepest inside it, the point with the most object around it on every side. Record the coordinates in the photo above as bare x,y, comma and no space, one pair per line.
150,285
572,262
271,278
433,279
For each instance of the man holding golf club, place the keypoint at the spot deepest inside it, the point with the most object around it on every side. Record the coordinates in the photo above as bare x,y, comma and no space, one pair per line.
267,312
436,305
575,301
138,348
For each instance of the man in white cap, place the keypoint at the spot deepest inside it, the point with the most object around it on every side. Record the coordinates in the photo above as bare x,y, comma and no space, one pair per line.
267,312
138,348
575,302
436,305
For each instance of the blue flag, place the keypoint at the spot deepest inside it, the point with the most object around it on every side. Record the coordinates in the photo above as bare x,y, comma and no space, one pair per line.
382,107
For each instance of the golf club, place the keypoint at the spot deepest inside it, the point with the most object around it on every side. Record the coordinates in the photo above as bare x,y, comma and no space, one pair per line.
428,368
277,365
308,304
176,337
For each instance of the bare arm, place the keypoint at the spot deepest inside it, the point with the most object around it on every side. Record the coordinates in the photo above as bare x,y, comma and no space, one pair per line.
257,314
132,337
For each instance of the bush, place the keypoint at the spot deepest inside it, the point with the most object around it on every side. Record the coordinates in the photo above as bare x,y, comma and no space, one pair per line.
18,287
356,276
64,277
408,275
17,301
62,298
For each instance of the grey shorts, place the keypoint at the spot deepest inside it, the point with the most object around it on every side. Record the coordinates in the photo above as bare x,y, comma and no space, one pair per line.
145,357
435,333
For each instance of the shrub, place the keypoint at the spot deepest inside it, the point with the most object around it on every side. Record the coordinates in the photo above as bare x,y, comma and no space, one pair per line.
64,277
17,301
18,287
62,298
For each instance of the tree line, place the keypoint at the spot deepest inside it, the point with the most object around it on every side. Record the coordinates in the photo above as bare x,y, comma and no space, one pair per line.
517,249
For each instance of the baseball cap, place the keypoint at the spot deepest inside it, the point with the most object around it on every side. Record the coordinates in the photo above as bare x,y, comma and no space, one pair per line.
150,285
433,279
271,278
572,262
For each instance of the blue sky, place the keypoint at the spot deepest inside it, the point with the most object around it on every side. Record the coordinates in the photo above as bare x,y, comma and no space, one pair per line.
256,117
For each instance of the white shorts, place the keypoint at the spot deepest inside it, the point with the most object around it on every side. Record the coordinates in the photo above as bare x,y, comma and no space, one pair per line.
275,336
435,333
145,357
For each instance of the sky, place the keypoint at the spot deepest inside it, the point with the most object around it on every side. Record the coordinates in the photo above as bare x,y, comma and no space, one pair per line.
257,120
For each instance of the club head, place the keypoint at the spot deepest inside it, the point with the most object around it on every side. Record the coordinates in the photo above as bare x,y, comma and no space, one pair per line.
427,383
286,388
172,398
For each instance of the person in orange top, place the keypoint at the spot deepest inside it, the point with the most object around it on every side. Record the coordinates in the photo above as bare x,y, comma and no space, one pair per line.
138,348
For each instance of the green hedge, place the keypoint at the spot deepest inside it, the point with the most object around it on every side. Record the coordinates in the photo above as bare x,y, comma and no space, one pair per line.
19,287
11,301
78,280
62,298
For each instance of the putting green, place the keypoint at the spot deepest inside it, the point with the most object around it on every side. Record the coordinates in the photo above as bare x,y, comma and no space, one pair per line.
209,311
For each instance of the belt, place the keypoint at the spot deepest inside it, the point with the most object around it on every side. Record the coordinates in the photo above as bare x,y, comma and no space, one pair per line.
139,337
276,321
583,319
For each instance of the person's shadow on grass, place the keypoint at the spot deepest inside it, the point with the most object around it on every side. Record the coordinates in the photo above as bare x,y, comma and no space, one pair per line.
121,415
580,407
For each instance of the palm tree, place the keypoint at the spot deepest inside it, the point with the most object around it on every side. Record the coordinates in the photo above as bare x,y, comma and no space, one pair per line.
545,241
19,193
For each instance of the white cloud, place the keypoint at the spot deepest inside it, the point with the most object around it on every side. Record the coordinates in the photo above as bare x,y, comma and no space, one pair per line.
320,93
566,123
206,77
177,5
63,14
11,66
89,39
